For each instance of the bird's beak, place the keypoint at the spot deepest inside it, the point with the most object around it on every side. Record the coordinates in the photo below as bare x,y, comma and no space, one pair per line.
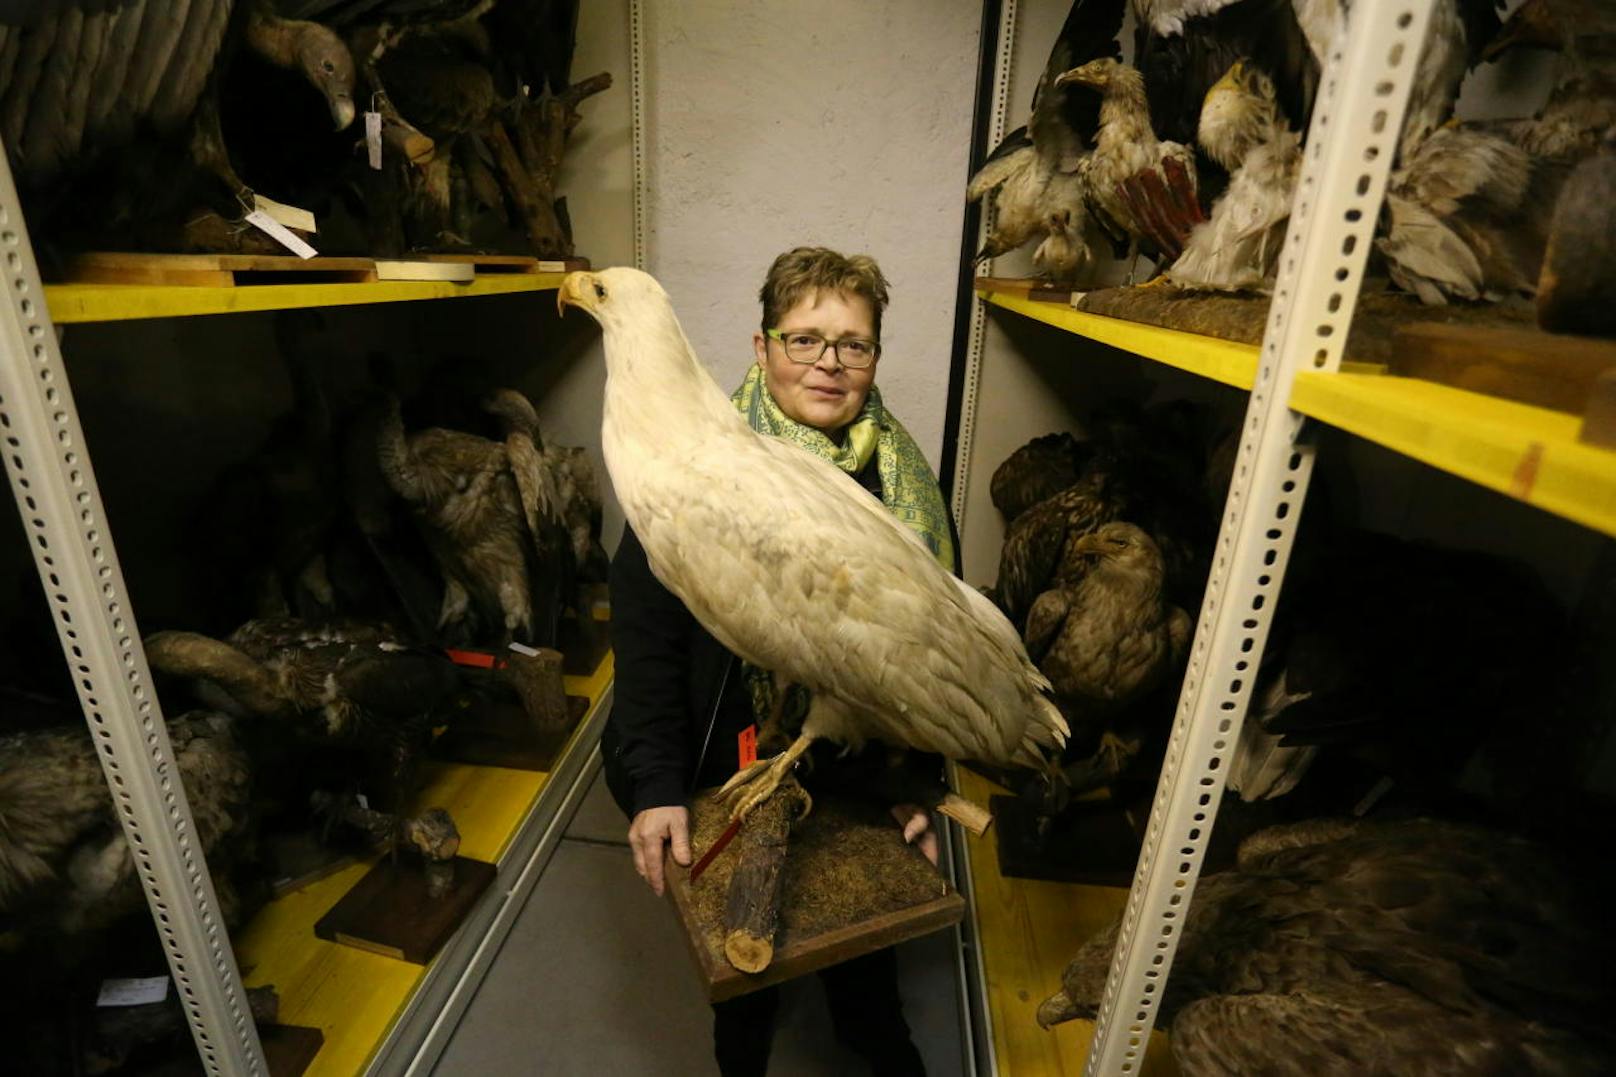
1079,75
342,111
577,290
1087,544
1055,1009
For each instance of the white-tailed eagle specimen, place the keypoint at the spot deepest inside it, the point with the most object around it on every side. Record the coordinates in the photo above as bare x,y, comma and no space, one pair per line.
1243,130
1416,947
1033,178
792,565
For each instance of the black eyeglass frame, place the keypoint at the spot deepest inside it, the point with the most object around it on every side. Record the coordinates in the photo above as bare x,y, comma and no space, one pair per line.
824,343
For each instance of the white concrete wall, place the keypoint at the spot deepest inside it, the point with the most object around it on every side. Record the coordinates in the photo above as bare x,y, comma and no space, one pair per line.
841,123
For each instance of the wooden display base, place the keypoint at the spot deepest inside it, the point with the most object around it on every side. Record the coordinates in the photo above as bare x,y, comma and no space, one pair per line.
504,736
851,887
1029,287
390,912
234,270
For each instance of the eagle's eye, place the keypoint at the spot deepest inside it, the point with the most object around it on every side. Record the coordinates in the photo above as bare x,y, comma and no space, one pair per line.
600,291
329,67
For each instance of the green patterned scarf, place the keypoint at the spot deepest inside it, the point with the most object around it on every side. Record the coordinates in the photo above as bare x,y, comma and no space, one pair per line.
908,489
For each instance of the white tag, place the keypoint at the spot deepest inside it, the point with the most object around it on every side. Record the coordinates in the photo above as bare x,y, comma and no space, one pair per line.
551,266
280,233
522,648
373,138
133,992
290,216
364,801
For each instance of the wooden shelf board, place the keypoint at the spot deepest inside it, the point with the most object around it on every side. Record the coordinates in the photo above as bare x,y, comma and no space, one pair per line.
352,996
1221,360
1529,453
70,303
1027,930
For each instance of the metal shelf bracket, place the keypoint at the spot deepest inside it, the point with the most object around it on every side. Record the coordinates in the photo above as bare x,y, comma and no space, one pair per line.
1351,143
48,464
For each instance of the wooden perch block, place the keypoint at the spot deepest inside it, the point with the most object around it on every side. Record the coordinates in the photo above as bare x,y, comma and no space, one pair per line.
537,680
970,815
752,911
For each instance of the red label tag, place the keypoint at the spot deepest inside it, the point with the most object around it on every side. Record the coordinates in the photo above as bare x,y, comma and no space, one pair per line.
477,659
746,744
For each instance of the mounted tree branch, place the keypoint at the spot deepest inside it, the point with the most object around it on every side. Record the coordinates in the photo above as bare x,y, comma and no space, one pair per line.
752,912
528,162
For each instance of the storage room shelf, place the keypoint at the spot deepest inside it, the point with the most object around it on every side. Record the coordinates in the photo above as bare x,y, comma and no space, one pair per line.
1530,453
1221,360
355,997
71,303
1027,930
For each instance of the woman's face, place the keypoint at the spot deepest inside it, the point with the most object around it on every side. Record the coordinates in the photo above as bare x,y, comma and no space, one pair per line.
824,395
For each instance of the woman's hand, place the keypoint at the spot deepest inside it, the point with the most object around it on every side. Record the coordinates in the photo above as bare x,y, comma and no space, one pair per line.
916,823
649,834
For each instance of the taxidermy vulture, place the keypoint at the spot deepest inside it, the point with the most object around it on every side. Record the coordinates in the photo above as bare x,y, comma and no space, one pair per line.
1417,947
891,646
1033,179
1143,188
80,79
492,516
63,855
341,684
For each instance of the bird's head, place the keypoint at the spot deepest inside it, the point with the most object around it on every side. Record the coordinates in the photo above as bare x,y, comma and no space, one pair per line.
614,297
311,48
1096,74
1119,542
1235,114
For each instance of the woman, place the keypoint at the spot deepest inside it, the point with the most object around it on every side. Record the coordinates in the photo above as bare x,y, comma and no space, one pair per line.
681,699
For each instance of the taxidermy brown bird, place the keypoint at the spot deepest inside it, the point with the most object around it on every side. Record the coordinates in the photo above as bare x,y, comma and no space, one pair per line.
890,645
1416,947
1033,179
1582,105
343,683
1040,545
1242,129
1575,292
1144,188
487,510
1040,469
64,859
1106,640
80,79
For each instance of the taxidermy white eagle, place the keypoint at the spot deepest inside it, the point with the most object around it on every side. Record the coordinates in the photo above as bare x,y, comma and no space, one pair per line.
790,564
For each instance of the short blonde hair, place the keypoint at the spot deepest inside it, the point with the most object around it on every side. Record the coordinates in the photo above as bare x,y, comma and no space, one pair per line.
802,270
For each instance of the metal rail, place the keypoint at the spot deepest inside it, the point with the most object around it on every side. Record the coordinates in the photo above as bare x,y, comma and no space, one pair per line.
1351,143
49,468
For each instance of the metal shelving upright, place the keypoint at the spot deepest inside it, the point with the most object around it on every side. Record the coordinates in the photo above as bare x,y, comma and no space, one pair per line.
1352,142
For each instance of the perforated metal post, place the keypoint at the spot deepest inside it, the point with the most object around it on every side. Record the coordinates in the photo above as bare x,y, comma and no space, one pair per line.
60,505
1004,66
637,140
1353,137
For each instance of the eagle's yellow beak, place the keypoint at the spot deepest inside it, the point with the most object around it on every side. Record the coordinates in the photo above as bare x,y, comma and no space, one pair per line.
577,290
1087,75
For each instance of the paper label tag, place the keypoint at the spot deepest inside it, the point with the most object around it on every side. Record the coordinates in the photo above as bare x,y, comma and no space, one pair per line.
362,800
290,216
475,659
280,233
746,745
522,648
373,138
133,992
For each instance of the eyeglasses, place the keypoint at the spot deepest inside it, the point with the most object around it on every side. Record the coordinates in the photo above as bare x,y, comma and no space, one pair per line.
855,353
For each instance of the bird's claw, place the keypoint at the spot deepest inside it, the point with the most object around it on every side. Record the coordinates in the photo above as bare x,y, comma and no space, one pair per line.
752,785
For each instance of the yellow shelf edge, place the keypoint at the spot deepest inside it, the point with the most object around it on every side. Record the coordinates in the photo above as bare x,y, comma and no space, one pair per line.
79,303
1528,453
1026,931
355,997
1220,360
